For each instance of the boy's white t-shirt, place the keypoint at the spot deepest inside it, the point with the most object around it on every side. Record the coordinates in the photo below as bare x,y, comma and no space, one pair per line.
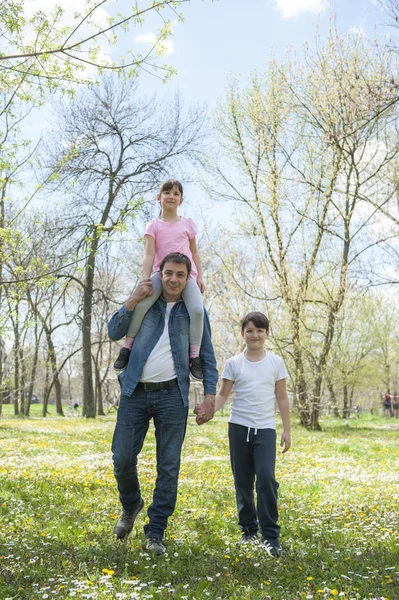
255,389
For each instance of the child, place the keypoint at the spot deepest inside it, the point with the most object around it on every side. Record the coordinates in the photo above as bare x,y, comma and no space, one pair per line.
259,379
170,233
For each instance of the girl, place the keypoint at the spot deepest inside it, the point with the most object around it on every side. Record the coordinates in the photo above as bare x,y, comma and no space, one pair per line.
170,233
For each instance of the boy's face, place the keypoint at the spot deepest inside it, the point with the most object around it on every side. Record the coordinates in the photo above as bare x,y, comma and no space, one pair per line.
255,337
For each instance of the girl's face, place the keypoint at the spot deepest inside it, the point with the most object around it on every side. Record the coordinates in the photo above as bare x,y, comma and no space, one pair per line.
170,200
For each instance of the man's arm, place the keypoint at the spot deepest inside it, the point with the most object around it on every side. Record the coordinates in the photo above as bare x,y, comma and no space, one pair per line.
207,355
119,322
284,408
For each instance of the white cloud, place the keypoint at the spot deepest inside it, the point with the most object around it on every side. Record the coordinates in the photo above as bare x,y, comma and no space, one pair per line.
151,38
292,8
357,30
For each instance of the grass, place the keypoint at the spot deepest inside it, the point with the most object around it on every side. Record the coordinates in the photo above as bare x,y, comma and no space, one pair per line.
339,513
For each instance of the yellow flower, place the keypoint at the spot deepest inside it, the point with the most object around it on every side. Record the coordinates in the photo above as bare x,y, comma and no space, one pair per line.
226,556
334,592
310,578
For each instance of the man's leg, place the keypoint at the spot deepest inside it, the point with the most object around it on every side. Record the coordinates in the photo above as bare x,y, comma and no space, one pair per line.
130,431
264,452
170,420
242,466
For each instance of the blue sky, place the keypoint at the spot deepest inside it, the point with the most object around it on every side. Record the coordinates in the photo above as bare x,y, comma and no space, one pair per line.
230,36
223,37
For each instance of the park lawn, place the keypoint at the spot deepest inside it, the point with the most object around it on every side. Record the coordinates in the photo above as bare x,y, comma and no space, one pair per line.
339,513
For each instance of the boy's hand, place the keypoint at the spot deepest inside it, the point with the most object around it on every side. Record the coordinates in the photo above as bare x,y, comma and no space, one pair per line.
285,441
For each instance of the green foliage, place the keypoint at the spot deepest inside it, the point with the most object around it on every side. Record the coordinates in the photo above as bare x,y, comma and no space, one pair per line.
338,513
59,50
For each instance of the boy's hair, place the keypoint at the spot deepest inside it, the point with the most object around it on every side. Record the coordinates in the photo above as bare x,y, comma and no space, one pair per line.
258,319
167,185
176,257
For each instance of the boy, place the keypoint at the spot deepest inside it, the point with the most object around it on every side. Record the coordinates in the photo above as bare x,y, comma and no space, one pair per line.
259,379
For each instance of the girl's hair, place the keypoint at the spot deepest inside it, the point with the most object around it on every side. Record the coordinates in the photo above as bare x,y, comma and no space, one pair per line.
258,319
167,185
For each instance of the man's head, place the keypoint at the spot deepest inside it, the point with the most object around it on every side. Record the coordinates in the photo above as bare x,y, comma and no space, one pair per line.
175,270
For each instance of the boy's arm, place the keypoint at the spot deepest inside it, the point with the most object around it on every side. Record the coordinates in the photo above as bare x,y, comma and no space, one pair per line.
284,408
223,393
149,255
196,259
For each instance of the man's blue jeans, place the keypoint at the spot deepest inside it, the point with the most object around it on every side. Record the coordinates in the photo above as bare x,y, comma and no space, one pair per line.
170,420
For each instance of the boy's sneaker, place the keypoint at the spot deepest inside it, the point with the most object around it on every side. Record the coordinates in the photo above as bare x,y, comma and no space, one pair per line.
247,538
126,521
122,360
195,365
154,546
272,546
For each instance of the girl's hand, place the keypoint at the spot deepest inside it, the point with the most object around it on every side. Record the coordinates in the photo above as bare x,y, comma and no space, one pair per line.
201,285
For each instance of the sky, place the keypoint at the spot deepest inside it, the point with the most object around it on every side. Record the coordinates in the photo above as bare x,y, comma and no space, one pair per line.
221,38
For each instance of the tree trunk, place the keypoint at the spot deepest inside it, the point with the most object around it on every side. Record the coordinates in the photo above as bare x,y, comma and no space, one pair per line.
89,405
345,409
46,391
56,379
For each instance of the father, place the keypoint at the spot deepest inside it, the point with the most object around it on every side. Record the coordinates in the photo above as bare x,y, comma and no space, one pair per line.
155,384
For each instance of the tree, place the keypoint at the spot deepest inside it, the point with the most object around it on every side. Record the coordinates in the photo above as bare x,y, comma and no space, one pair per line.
304,160
112,151
57,49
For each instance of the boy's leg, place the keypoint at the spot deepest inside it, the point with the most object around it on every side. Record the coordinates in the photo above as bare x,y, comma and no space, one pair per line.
242,466
264,453
193,300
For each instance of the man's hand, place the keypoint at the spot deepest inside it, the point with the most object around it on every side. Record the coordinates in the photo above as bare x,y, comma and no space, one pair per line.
205,410
143,289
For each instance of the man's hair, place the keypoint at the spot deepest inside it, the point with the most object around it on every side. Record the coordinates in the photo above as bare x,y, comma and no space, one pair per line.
258,319
178,258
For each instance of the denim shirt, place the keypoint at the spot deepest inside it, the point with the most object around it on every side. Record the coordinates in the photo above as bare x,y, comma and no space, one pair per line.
150,331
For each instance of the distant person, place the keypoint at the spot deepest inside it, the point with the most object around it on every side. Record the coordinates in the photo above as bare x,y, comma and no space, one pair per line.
395,404
155,385
388,403
170,233
259,379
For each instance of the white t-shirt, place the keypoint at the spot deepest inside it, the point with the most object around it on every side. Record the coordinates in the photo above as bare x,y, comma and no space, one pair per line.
160,365
255,389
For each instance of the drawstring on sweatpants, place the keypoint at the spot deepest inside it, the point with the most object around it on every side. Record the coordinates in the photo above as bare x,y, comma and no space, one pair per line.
249,431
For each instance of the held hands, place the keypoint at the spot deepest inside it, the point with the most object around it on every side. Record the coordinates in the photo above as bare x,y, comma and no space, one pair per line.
285,441
205,410
143,289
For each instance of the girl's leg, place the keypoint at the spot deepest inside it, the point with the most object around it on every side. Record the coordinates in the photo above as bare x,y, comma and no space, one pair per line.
243,468
193,300
141,309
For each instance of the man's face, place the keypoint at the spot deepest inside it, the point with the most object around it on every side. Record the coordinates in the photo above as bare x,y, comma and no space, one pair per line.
174,278
255,337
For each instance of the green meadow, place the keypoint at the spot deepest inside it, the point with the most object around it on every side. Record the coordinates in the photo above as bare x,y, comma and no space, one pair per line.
339,514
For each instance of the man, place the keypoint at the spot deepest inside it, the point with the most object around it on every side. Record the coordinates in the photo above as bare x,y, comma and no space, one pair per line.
155,384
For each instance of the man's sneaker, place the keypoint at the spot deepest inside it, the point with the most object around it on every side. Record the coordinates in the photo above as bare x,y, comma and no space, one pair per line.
195,365
126,521
272,546
154,546
247,538
122,360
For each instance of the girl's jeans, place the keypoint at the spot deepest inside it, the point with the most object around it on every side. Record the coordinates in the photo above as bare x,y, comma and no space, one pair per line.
170,420
255,458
